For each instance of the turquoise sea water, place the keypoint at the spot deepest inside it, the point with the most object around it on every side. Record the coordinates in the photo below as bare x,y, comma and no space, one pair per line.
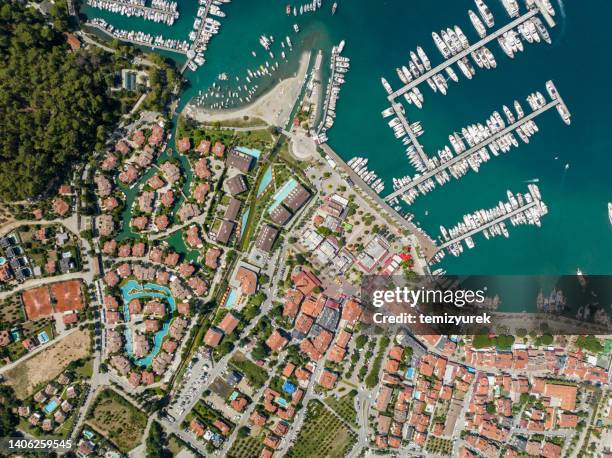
379,36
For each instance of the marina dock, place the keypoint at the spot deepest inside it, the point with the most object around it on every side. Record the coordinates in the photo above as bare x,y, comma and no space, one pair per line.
522,209
466,52
165,13
339,66
461,156
497,220
195,54
134,41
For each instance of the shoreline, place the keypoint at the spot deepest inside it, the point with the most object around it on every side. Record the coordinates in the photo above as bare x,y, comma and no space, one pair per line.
274,106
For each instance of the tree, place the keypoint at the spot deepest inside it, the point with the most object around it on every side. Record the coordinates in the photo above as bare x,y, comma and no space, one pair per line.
504,342
546,339
482,341
156,442
54,103
8,419
259,352
589,343
361,340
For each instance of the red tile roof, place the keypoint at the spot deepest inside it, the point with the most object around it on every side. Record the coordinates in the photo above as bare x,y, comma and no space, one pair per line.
229,323
276,341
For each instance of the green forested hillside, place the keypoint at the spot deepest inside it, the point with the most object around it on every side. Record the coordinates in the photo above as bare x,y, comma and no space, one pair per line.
53,103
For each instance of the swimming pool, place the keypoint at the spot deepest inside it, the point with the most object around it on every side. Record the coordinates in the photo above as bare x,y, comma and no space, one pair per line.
281,401
43,337
289,387
245,218
232,298
134,290
265,181
50,407
282,193
2,261
250,151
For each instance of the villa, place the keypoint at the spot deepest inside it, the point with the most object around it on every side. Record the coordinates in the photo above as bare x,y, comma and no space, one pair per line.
204,147
219,149
106,225
229,323
188,211
201,169
156,182
213,337
140,223
171,171
247,279
212,256
200,192
144,158
167,198
129,175
154,308
104,186
145,201
109,204
60,206
122,147
109,162
192,237
184,145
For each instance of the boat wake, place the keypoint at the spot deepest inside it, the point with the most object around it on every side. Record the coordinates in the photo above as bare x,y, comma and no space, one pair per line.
561,8
533,180
563,23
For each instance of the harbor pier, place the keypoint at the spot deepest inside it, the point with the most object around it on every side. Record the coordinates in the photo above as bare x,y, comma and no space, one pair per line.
135,42
461,156
487,225
199,34
466,52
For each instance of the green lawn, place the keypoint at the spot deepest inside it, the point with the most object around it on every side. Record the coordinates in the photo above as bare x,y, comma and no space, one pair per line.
117,420
245,447
344,407
322,434
257,375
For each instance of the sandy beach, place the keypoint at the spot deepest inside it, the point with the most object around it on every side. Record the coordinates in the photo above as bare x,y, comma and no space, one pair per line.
274,107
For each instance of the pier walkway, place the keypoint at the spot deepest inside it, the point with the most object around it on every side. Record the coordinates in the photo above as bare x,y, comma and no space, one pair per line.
135,42
328,94
439,68
427,244
198,35
413,138
497,220
146,9
445,165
